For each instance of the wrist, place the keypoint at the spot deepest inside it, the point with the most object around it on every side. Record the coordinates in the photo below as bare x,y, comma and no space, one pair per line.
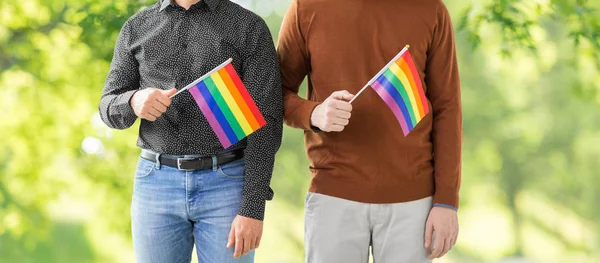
314,117
445,206
132,99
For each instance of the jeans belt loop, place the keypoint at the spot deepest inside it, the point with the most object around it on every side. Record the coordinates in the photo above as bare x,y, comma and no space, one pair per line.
214,163
157,161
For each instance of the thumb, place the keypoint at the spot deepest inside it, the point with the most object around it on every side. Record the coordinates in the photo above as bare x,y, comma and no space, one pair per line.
231,239
342,95
428,234
169,92
349,96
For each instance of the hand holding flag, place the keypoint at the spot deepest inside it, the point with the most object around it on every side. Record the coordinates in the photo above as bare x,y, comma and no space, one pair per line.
151,103
334,113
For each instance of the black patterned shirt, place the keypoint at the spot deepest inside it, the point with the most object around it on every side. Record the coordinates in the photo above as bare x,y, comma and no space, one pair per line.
165,46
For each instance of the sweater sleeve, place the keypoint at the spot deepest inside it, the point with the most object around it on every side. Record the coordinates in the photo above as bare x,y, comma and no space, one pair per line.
443,91
295,65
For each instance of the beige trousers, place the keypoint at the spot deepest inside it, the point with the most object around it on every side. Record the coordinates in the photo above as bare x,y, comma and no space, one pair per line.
342,231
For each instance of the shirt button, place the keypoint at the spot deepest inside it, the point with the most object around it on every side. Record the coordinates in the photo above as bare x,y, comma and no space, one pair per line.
184,45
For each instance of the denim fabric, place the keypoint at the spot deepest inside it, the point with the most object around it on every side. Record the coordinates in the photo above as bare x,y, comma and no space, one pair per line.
172,210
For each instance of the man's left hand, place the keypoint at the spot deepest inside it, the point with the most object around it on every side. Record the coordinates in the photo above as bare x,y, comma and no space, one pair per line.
245,234
442,226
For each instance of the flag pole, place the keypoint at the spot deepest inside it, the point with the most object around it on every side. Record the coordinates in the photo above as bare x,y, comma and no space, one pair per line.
359,92
203,77
380,72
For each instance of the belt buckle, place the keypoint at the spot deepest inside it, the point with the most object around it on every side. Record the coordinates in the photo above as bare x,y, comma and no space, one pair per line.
181,160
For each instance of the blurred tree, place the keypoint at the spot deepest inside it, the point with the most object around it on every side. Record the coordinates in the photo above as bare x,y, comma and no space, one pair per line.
519,22
537,146
517,18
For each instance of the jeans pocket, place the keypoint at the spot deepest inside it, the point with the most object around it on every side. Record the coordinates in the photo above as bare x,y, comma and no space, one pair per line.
233,170
144,168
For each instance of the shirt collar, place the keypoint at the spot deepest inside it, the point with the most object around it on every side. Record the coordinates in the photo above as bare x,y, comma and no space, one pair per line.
212,4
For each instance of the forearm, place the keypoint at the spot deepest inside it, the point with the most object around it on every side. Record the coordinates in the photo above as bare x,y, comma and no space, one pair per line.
263,79
260,159
121,83
295,65
443,91
298,111
116,111
447,141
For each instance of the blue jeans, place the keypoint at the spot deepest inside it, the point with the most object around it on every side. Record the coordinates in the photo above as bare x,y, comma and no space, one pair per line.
172,209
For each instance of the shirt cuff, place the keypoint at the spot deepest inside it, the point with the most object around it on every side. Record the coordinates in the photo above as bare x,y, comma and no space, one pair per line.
119,113
270,194
253,209
444,195
446,206
123,104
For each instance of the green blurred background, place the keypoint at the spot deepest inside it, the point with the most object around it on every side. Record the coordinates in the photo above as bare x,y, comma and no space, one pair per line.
531,180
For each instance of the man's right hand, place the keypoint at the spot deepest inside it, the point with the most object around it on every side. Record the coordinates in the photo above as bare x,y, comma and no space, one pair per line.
151,103
334,113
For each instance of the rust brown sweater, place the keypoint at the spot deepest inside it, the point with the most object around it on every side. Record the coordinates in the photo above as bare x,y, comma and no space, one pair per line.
341,45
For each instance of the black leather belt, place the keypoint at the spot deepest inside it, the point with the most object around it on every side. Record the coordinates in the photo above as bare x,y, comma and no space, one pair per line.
199,163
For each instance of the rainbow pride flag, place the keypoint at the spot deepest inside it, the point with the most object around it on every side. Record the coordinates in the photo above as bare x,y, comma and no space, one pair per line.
400,87
226,104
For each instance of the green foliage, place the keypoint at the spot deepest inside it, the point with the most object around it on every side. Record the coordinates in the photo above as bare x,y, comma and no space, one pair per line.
517,18
531,152
520,23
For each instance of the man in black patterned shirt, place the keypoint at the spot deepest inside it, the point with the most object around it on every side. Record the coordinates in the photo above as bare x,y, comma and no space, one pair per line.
187,188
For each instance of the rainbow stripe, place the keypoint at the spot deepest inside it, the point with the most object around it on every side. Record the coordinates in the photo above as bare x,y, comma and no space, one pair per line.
400,87
226,104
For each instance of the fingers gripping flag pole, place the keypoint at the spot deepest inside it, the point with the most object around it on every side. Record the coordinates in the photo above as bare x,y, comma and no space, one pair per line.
226,104
400,87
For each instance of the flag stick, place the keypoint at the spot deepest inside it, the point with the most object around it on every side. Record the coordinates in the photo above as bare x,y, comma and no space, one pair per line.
380,72
203,77
359,92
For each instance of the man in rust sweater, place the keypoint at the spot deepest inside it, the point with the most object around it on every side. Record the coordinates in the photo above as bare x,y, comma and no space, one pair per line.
371,185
